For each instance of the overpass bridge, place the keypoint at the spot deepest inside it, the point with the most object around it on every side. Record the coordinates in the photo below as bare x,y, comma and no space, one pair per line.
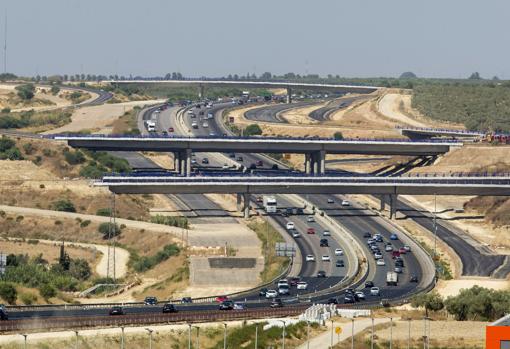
243,186
314,149
201,84
424,132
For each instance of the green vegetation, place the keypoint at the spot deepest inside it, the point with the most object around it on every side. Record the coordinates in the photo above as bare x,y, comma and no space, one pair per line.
26,91
269,236
181,222
109,230
103,162
8,149
141,264
32,118
73,157
127,123
430,301
338,135
443,269
106,212
64,205
252,130
479,107
54,90
8,292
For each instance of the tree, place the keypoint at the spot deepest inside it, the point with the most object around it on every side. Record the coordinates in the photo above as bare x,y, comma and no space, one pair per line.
26,91
8,292
55,90
338,135
108,229
47,291
253,130
266,76
430,301
475,76
64,205
408,75
80,269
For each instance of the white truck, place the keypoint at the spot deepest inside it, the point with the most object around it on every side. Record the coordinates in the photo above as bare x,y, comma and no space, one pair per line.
151,126
391,278
270,204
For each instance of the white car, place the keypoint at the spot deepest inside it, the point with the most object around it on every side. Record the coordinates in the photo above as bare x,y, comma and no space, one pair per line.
205,125
271,294
374,291
346,203
380,262
302,285
339,252
296,234
388,248
310,219
360,294
378,256
326,233
283,282
310,258
331,201
290,226
326,258
407,248
225,166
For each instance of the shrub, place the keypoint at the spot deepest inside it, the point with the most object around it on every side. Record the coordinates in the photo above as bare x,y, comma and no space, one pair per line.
47,291
26,91
8,292
85,223
145,263
55,90
64,205
252,130
28,298
181,222
338,135
6,110
74,157
107,228
80,269
106,212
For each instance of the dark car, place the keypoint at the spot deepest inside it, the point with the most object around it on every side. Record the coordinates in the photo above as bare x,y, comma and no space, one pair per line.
116,310
169,308
321,274
186,300
239,158
252,167
289,210
324,243
299,211
274,167
293,281
340,263
367,235
232,155
262,292
276,303
3,313
164,133
369,284
349,299
227,305
333,300
205,160
259,163
150,301
414,278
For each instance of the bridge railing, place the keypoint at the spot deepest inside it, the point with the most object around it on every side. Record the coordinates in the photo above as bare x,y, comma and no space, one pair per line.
439,130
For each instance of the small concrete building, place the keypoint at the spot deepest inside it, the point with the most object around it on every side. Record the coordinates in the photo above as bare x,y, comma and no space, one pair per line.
497,335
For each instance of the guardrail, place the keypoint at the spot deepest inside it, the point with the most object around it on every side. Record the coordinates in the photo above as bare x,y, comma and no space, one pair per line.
440,130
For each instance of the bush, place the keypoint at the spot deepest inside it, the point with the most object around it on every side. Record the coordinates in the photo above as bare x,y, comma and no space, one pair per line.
478,303
6,110
253,130
338,135
74,157
28,298
106,212
28,148
80,269
107,228
181,222
26,91
55,90
8,292
75,95
64,205
145,263
85,223
92,171
47,291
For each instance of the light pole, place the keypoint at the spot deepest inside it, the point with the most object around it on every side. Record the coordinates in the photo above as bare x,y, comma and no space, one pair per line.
25,339
352,334
198,336
372,335
150,337
76,344
283,334
189,336
391,332
122,338
332,327
409,334
256,335
225,336
307,334
435,226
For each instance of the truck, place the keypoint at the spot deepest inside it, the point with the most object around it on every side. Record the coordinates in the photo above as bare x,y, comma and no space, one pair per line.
270,204
151,126
391,278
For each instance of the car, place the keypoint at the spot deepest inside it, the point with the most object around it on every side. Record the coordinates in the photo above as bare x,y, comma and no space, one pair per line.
331,201
283,282
3,313
252,167
310,219
205,125
346,203
296,234
413,278
367,235
239,306
369,284
326,233
321,274
388,248
290,225
393,237
212,134
239,158
339,252
378,238
194,161
283,290
262,292
398,270
225,167
289,210
339,263
150,301
360,295
378,255
164,133
259,163
323,243
399,263
294,281
349,299
226,305
221,299
395,254
332,300
326,258
186,300
380,262
260,199
374,291
407,248
232,155
370,241
205,161
276,303
116,310
310,258
169,308
402,250
271,294
310,231
302,285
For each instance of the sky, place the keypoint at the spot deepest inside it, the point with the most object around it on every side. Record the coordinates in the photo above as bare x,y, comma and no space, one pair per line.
356,38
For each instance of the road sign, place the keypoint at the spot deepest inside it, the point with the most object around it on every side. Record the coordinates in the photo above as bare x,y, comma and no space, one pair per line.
338,330
284,249
3,262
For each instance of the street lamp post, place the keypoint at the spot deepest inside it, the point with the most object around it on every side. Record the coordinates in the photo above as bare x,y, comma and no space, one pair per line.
256,335
225,336
307,334
352,334
25,340
198,336
122,338
372,335
332,328
435,226
189,336
283,334
150,337
76,344
409,334
391,332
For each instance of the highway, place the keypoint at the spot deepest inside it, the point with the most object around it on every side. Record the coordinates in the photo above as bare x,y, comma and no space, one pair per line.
324,113
271,113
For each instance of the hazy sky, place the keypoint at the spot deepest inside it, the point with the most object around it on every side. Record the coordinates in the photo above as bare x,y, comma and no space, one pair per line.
433,38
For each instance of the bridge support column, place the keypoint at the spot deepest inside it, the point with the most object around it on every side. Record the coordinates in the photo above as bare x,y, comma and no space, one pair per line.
187,154
322,162
177,162
315,164
246,205
382,201
308,163
393,206
289,95
239,201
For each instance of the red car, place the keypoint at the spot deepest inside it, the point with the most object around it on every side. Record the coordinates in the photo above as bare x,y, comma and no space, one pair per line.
395,254
310,231
170,129
402,250
221,299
